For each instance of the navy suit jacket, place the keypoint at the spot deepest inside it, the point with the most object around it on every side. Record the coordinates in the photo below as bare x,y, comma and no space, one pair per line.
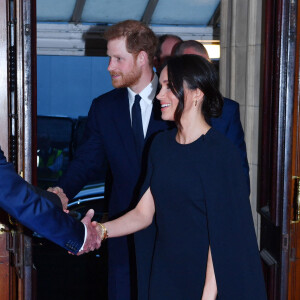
109,136
229,123
39,214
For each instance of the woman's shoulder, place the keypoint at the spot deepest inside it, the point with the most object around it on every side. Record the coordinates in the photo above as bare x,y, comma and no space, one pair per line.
222,158
219,144
214,137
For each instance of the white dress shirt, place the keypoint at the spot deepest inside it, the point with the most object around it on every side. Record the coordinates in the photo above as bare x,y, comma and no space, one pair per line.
146,103
85,234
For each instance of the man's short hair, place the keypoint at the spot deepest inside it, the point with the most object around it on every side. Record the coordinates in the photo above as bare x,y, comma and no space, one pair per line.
139,37
162,39
197,46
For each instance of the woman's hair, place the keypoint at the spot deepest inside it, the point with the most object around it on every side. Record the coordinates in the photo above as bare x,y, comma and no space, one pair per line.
197,73
139,37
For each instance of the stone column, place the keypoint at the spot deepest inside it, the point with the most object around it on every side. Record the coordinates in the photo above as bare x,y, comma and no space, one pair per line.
240,74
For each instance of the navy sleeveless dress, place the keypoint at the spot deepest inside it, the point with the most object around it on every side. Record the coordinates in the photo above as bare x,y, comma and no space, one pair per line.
201,199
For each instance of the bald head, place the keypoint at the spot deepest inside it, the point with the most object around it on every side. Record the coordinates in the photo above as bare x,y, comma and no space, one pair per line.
191,47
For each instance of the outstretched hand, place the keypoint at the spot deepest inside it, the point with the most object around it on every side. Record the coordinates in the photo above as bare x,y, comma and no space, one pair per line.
93,238
62,196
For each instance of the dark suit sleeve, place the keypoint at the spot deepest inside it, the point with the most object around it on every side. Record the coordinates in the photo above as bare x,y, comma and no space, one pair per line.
89,158
229,123
236,134
48,195
37,213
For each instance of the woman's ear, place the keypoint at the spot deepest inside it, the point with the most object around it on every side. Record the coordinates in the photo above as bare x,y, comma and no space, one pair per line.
198,95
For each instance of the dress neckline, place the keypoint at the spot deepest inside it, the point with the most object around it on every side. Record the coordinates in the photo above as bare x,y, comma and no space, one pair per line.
199,139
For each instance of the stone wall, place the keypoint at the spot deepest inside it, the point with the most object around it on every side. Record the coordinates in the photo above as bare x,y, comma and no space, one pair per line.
240,74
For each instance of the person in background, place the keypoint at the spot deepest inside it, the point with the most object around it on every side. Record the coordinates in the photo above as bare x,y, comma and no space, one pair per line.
164,49
33,208
195,186
190,47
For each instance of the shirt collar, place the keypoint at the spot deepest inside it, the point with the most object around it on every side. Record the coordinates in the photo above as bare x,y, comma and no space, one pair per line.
148,93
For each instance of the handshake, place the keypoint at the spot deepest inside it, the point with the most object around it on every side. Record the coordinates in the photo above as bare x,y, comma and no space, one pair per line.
94,231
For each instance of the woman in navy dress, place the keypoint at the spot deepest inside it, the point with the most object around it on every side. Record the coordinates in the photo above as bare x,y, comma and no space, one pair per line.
195,187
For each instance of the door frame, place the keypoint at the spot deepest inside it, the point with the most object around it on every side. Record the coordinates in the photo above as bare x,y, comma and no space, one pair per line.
17,123
276,142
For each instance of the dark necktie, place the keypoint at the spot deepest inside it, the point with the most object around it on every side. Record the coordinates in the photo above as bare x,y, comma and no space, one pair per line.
137,125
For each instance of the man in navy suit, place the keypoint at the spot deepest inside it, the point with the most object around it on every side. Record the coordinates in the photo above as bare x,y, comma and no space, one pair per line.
112,134
38,213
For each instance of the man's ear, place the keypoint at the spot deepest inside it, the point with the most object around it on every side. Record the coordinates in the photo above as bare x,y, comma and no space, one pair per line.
142,58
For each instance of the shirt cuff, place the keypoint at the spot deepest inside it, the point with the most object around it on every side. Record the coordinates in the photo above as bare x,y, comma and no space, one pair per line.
85,230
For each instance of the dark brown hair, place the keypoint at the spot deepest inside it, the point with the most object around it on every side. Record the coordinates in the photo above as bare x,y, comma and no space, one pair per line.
139,37
197,73
162,39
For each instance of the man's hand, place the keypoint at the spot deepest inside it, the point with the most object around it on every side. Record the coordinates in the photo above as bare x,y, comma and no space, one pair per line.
93,238
62,196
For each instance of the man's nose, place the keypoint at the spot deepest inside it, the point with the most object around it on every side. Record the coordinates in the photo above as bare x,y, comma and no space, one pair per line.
110,65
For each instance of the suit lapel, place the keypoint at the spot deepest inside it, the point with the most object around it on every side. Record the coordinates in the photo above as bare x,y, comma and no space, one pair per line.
123,124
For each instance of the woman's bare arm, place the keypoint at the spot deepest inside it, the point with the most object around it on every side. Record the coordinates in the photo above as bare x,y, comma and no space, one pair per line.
138,218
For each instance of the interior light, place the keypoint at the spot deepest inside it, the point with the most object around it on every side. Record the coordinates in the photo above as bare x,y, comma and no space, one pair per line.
213,51
212,47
